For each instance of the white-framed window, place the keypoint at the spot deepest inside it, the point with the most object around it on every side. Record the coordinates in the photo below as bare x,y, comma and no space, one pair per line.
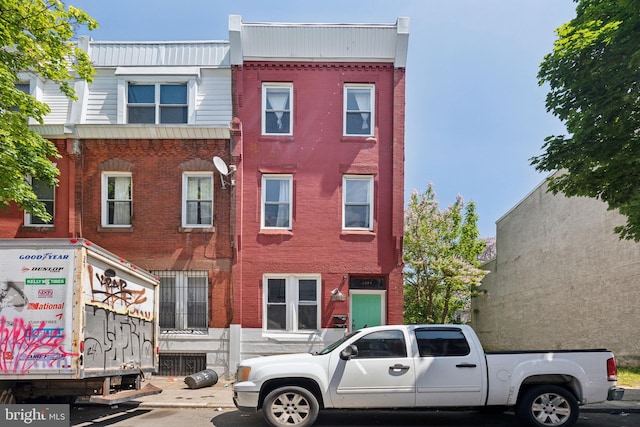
116,199
157,103
357,202
359,105
277,108
45,194
183,299
197,199
277,197
291,302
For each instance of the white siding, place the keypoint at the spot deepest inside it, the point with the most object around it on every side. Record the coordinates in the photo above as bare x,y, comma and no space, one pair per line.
102,100
213,99
154,54
319,42
57,102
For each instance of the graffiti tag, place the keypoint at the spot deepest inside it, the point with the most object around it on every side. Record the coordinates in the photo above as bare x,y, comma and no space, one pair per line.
24,347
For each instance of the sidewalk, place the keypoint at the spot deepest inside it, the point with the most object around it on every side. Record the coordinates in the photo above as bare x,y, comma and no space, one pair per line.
176,393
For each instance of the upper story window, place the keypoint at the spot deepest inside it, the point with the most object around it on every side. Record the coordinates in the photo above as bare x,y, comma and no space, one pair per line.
197,199
357,202
116,199
24,86
157,103
358,110
291,302
45,194
277,195
277,106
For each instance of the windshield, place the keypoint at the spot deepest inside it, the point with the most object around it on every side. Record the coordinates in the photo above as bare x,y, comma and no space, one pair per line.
336,344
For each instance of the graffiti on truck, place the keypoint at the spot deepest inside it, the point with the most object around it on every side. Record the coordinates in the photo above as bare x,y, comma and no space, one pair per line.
24,347
117,341
113,291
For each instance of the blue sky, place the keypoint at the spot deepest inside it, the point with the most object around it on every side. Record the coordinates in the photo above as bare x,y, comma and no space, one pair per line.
475,113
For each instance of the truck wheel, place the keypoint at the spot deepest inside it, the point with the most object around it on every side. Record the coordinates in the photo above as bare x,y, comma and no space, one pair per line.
290,406
548,406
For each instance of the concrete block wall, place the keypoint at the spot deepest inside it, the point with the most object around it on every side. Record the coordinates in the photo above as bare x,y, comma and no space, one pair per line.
561,279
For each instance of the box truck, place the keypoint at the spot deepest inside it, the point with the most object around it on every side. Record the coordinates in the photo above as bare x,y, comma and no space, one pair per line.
75,321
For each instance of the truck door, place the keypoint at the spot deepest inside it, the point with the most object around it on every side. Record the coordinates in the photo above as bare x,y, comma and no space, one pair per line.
380,376
448,372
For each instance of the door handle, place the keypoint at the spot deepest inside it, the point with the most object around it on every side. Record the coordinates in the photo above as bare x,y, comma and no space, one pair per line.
466,365
399,367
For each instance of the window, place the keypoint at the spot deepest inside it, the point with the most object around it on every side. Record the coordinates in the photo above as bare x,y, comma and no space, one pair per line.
358,110
277,104
45,194
382,344
116,199
183,299
441,342
157,103
24,87
291,302
276,201
197,199
357,197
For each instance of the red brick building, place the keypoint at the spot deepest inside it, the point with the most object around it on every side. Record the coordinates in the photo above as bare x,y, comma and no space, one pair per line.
318,144
137,178
299,240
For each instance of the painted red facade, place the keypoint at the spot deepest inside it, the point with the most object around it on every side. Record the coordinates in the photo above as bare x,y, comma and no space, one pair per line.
318,155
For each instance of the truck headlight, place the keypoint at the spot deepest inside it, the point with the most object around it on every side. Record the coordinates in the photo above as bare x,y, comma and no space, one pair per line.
243,373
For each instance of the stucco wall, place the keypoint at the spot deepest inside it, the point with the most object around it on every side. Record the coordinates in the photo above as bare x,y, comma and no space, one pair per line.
561,279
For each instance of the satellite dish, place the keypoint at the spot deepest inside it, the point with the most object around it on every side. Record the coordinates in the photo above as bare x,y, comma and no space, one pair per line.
221,166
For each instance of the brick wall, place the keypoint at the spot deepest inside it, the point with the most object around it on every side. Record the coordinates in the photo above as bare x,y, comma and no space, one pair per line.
156,241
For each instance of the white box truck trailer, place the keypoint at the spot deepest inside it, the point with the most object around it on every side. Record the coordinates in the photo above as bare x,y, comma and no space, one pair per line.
75,321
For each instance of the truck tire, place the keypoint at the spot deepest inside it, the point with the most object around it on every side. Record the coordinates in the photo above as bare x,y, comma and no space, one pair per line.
548,406
290,406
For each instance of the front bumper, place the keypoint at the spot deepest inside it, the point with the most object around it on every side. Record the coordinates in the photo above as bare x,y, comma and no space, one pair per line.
245,396
615,393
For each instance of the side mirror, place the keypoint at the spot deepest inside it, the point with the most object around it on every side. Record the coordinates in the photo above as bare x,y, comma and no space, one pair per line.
349,352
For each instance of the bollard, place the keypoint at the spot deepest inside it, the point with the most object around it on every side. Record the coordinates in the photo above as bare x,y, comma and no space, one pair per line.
201,379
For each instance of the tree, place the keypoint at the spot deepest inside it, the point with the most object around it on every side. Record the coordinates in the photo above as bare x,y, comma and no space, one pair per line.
36,38
593,73
441,250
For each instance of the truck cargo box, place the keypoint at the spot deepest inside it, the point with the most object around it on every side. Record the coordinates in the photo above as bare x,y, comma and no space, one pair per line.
75,320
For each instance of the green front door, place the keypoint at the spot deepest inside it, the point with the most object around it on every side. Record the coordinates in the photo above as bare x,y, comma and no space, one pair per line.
366,310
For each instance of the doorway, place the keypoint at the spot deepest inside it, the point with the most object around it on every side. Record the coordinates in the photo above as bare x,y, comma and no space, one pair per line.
367,308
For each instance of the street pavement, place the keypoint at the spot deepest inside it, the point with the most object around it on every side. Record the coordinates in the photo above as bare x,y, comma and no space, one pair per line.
177,394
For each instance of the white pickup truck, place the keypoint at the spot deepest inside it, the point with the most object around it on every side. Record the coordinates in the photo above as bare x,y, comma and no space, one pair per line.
424,366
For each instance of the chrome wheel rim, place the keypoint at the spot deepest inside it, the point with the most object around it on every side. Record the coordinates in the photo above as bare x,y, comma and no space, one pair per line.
290,409
551,409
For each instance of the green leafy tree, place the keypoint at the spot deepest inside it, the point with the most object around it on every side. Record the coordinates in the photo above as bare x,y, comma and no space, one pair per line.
441,249
36,37
594,78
